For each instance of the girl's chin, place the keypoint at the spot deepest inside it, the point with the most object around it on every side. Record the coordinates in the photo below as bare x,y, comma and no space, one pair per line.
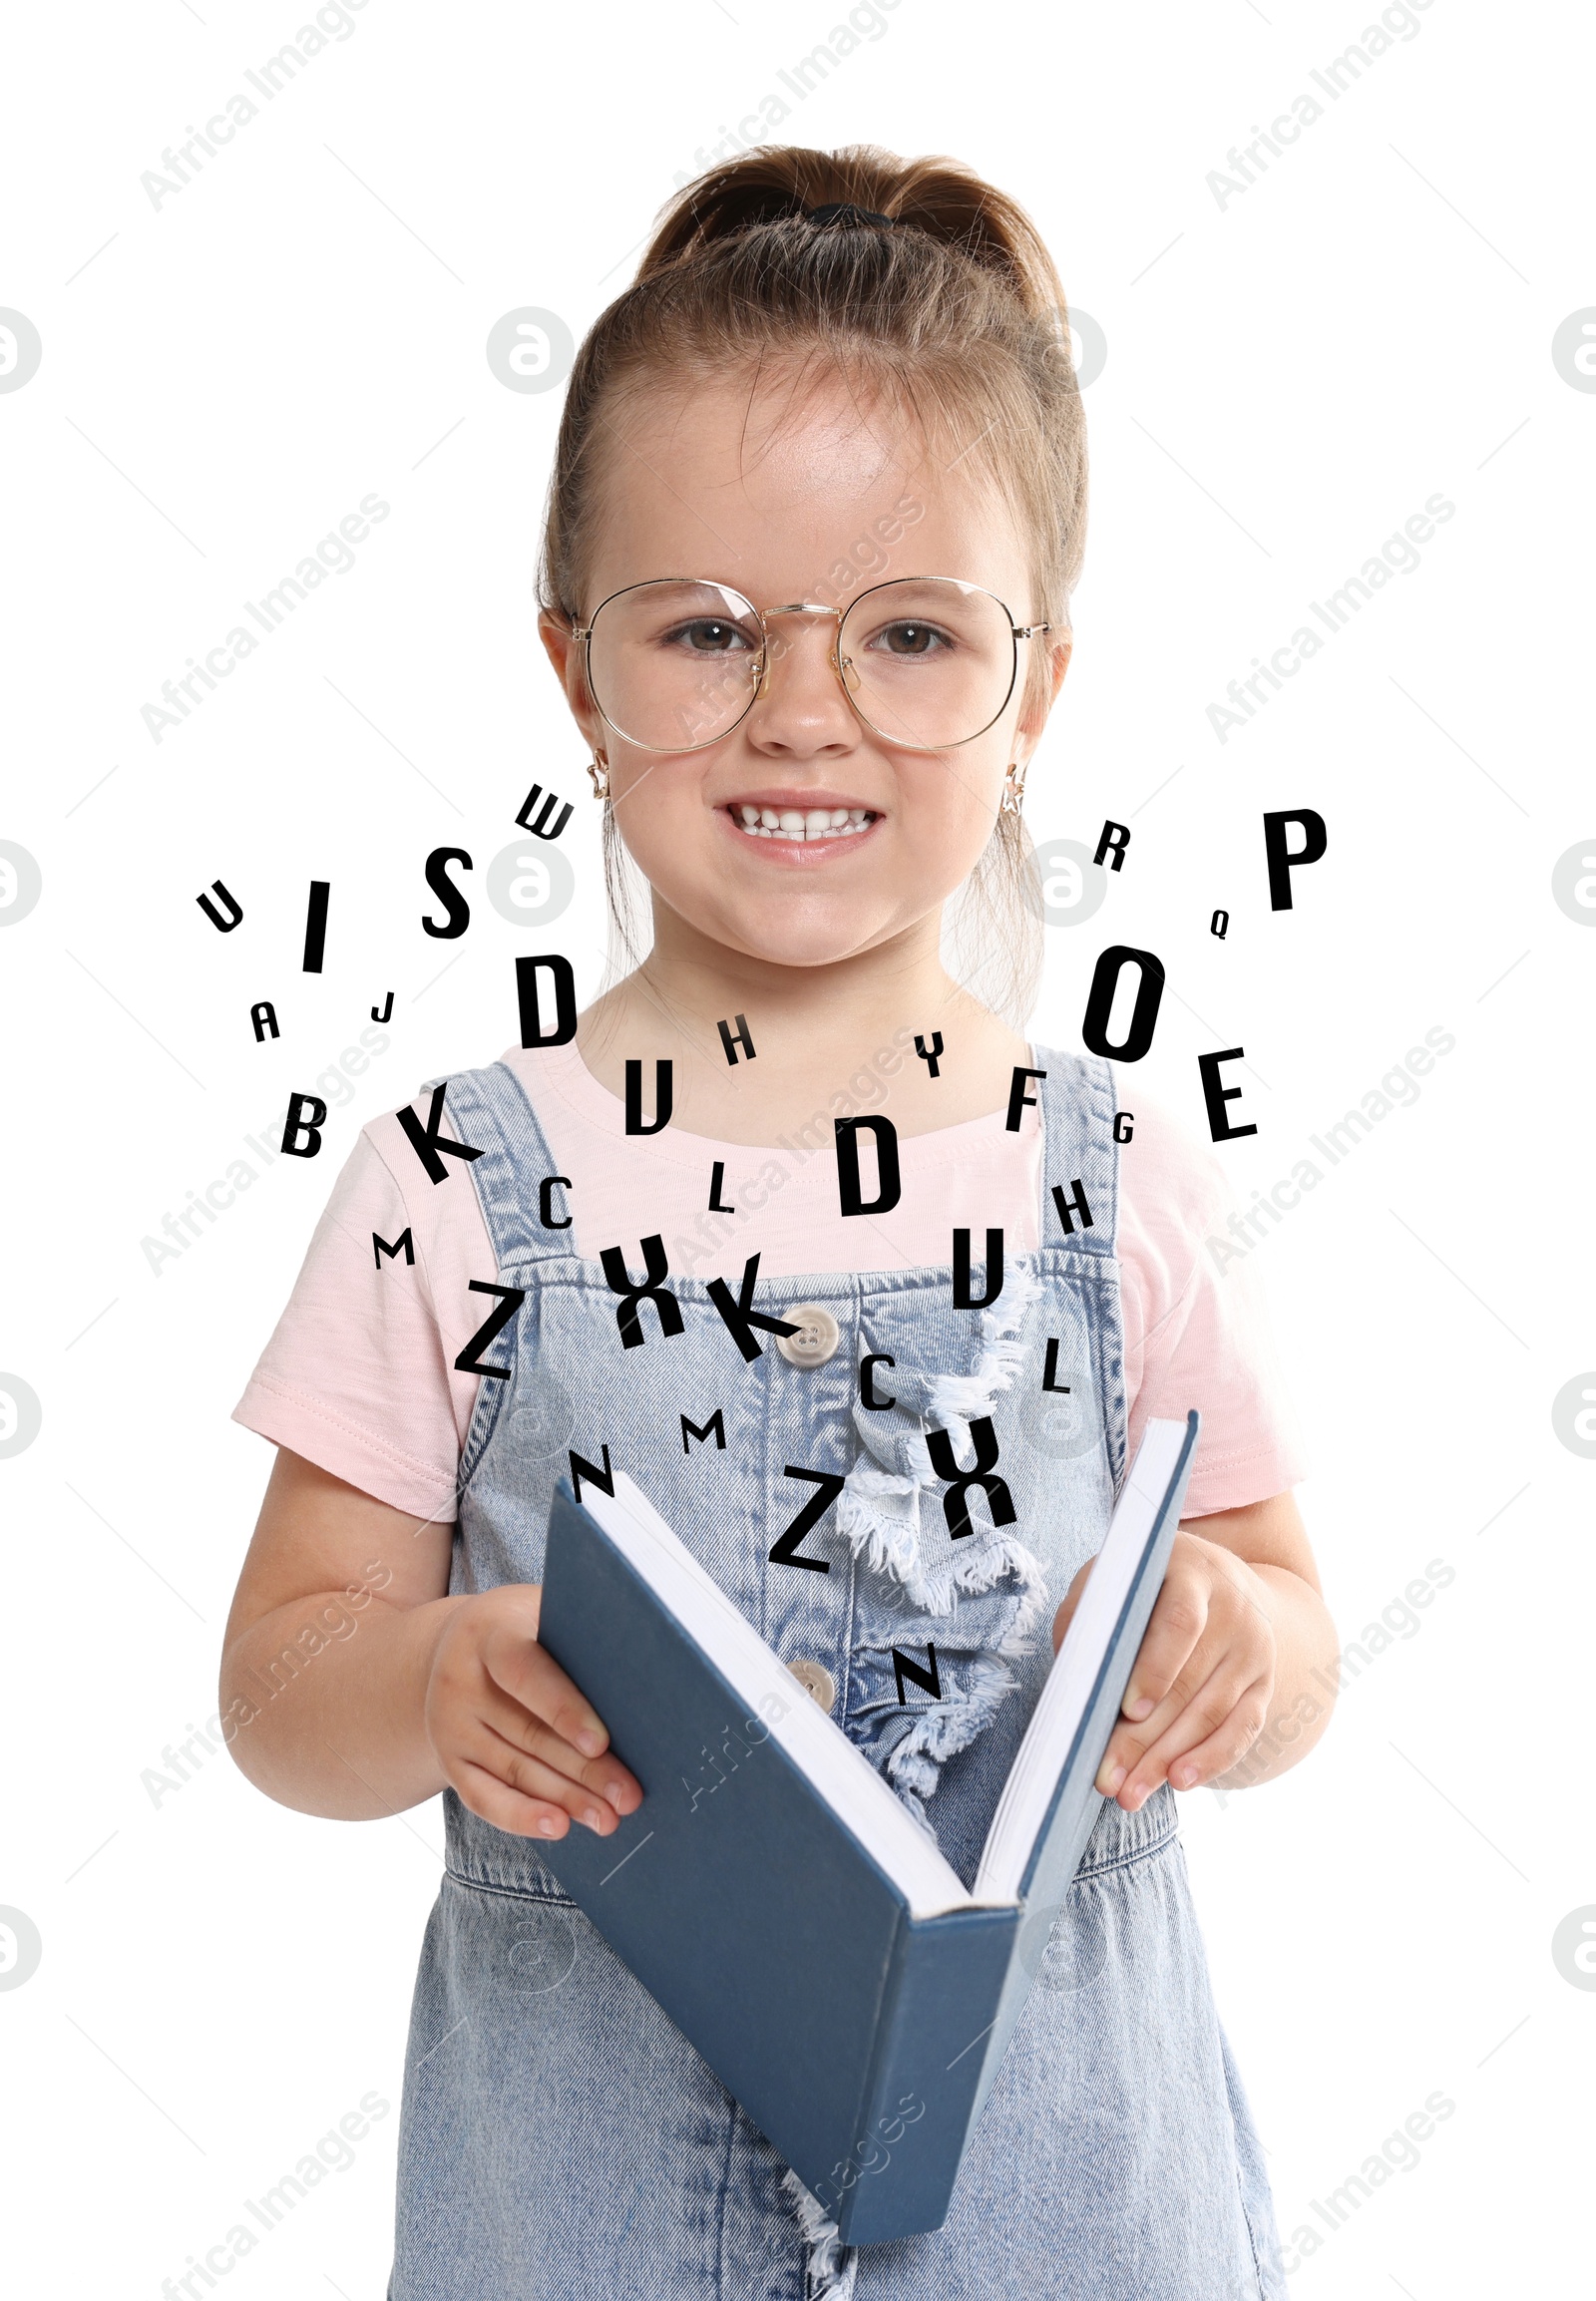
809,940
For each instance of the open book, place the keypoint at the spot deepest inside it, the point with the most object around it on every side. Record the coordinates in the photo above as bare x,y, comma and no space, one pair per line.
782,1905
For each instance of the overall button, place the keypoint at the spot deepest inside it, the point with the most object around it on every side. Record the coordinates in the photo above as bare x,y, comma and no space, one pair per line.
815,1679
816,1340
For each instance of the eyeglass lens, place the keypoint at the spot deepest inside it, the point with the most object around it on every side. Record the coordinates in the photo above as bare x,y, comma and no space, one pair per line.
926,661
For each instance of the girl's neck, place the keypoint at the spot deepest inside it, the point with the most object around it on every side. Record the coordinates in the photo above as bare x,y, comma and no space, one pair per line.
838,1038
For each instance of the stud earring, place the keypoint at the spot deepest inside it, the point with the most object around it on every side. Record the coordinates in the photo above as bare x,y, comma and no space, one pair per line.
598,774
1014,790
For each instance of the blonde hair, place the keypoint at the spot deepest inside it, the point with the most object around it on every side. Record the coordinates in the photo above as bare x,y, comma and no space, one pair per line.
952,312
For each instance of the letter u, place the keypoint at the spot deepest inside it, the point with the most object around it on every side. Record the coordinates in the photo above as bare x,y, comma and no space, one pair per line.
226,925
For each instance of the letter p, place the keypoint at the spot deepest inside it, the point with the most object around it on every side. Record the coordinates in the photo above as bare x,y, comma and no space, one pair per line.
1282,860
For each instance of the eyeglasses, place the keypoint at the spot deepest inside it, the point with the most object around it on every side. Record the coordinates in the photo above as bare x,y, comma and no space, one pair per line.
926,661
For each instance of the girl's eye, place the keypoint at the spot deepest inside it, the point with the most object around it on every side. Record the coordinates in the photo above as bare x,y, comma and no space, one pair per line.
709,636
910,639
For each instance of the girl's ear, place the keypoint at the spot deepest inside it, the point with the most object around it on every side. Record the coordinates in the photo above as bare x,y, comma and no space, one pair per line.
1033,718
566,654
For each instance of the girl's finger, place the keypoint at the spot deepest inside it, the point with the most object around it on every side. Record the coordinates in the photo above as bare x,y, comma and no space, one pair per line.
528,1673
531,1778
507,1809
1231,1704
1178,1620
519,1726
1130,1744
1207,1761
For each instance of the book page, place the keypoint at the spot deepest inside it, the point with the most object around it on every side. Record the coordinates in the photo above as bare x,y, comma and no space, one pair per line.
842,1775
1065,1697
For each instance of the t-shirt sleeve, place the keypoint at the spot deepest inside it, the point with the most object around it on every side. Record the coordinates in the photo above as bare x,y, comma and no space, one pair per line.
1196,1322
355,1376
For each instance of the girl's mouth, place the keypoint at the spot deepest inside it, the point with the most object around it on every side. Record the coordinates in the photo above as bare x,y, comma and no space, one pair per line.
800,825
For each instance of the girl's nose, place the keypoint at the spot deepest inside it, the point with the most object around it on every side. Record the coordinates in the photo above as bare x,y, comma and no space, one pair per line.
801,711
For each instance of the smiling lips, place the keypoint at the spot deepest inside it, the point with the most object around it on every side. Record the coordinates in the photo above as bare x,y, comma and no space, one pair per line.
800,825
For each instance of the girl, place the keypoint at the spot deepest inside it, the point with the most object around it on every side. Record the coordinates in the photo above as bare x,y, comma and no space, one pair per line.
816,512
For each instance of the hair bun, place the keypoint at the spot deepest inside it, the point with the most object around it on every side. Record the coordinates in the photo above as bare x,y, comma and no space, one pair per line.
776,183
844,211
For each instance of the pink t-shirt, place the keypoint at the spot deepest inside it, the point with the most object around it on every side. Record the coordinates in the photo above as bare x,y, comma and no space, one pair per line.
359,1374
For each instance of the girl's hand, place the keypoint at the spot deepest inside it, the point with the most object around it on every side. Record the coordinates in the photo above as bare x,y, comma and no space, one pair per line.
511,1731
1200,1686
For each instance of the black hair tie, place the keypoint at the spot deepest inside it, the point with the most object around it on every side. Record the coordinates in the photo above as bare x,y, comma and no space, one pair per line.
844,211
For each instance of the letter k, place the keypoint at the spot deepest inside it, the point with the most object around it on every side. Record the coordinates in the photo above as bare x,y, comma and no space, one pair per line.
740,1315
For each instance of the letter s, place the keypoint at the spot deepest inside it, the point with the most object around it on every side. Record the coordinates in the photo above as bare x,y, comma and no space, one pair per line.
450,895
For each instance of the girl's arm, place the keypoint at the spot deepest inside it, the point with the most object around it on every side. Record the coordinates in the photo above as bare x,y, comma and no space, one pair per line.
1236,1676
353,1685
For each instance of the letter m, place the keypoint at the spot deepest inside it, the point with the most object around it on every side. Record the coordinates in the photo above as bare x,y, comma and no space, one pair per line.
403,1244
714,1428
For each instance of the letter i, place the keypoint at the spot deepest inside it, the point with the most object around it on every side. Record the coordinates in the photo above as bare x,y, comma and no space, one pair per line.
316,925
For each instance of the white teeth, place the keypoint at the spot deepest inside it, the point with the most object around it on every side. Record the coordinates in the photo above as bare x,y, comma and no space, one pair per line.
789,824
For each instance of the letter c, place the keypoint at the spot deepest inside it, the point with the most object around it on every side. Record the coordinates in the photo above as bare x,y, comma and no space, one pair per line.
546,1213
220,1205
227,2262
226,665
1285,1204
1296,1725
1290,667
867,1388
1280,125
751,128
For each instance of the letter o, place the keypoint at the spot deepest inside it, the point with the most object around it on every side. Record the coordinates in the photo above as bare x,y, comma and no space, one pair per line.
1100,1002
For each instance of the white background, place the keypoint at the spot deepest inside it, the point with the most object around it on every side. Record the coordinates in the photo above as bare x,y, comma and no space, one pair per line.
1288,378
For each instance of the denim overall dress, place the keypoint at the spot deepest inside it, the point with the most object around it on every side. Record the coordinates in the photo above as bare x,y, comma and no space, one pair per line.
559,2140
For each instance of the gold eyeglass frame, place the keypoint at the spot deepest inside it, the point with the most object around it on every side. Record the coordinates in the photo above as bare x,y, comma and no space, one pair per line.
584,634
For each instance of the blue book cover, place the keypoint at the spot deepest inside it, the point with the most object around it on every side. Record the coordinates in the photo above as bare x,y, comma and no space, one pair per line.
796,1924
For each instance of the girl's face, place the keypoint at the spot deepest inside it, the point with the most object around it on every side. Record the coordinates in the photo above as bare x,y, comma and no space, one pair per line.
768,499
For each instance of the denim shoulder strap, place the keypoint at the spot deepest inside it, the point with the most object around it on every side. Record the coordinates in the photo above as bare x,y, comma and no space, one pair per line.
1080,1153
489,1110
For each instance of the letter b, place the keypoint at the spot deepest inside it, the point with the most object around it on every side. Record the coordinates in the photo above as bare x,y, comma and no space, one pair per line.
308,1115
